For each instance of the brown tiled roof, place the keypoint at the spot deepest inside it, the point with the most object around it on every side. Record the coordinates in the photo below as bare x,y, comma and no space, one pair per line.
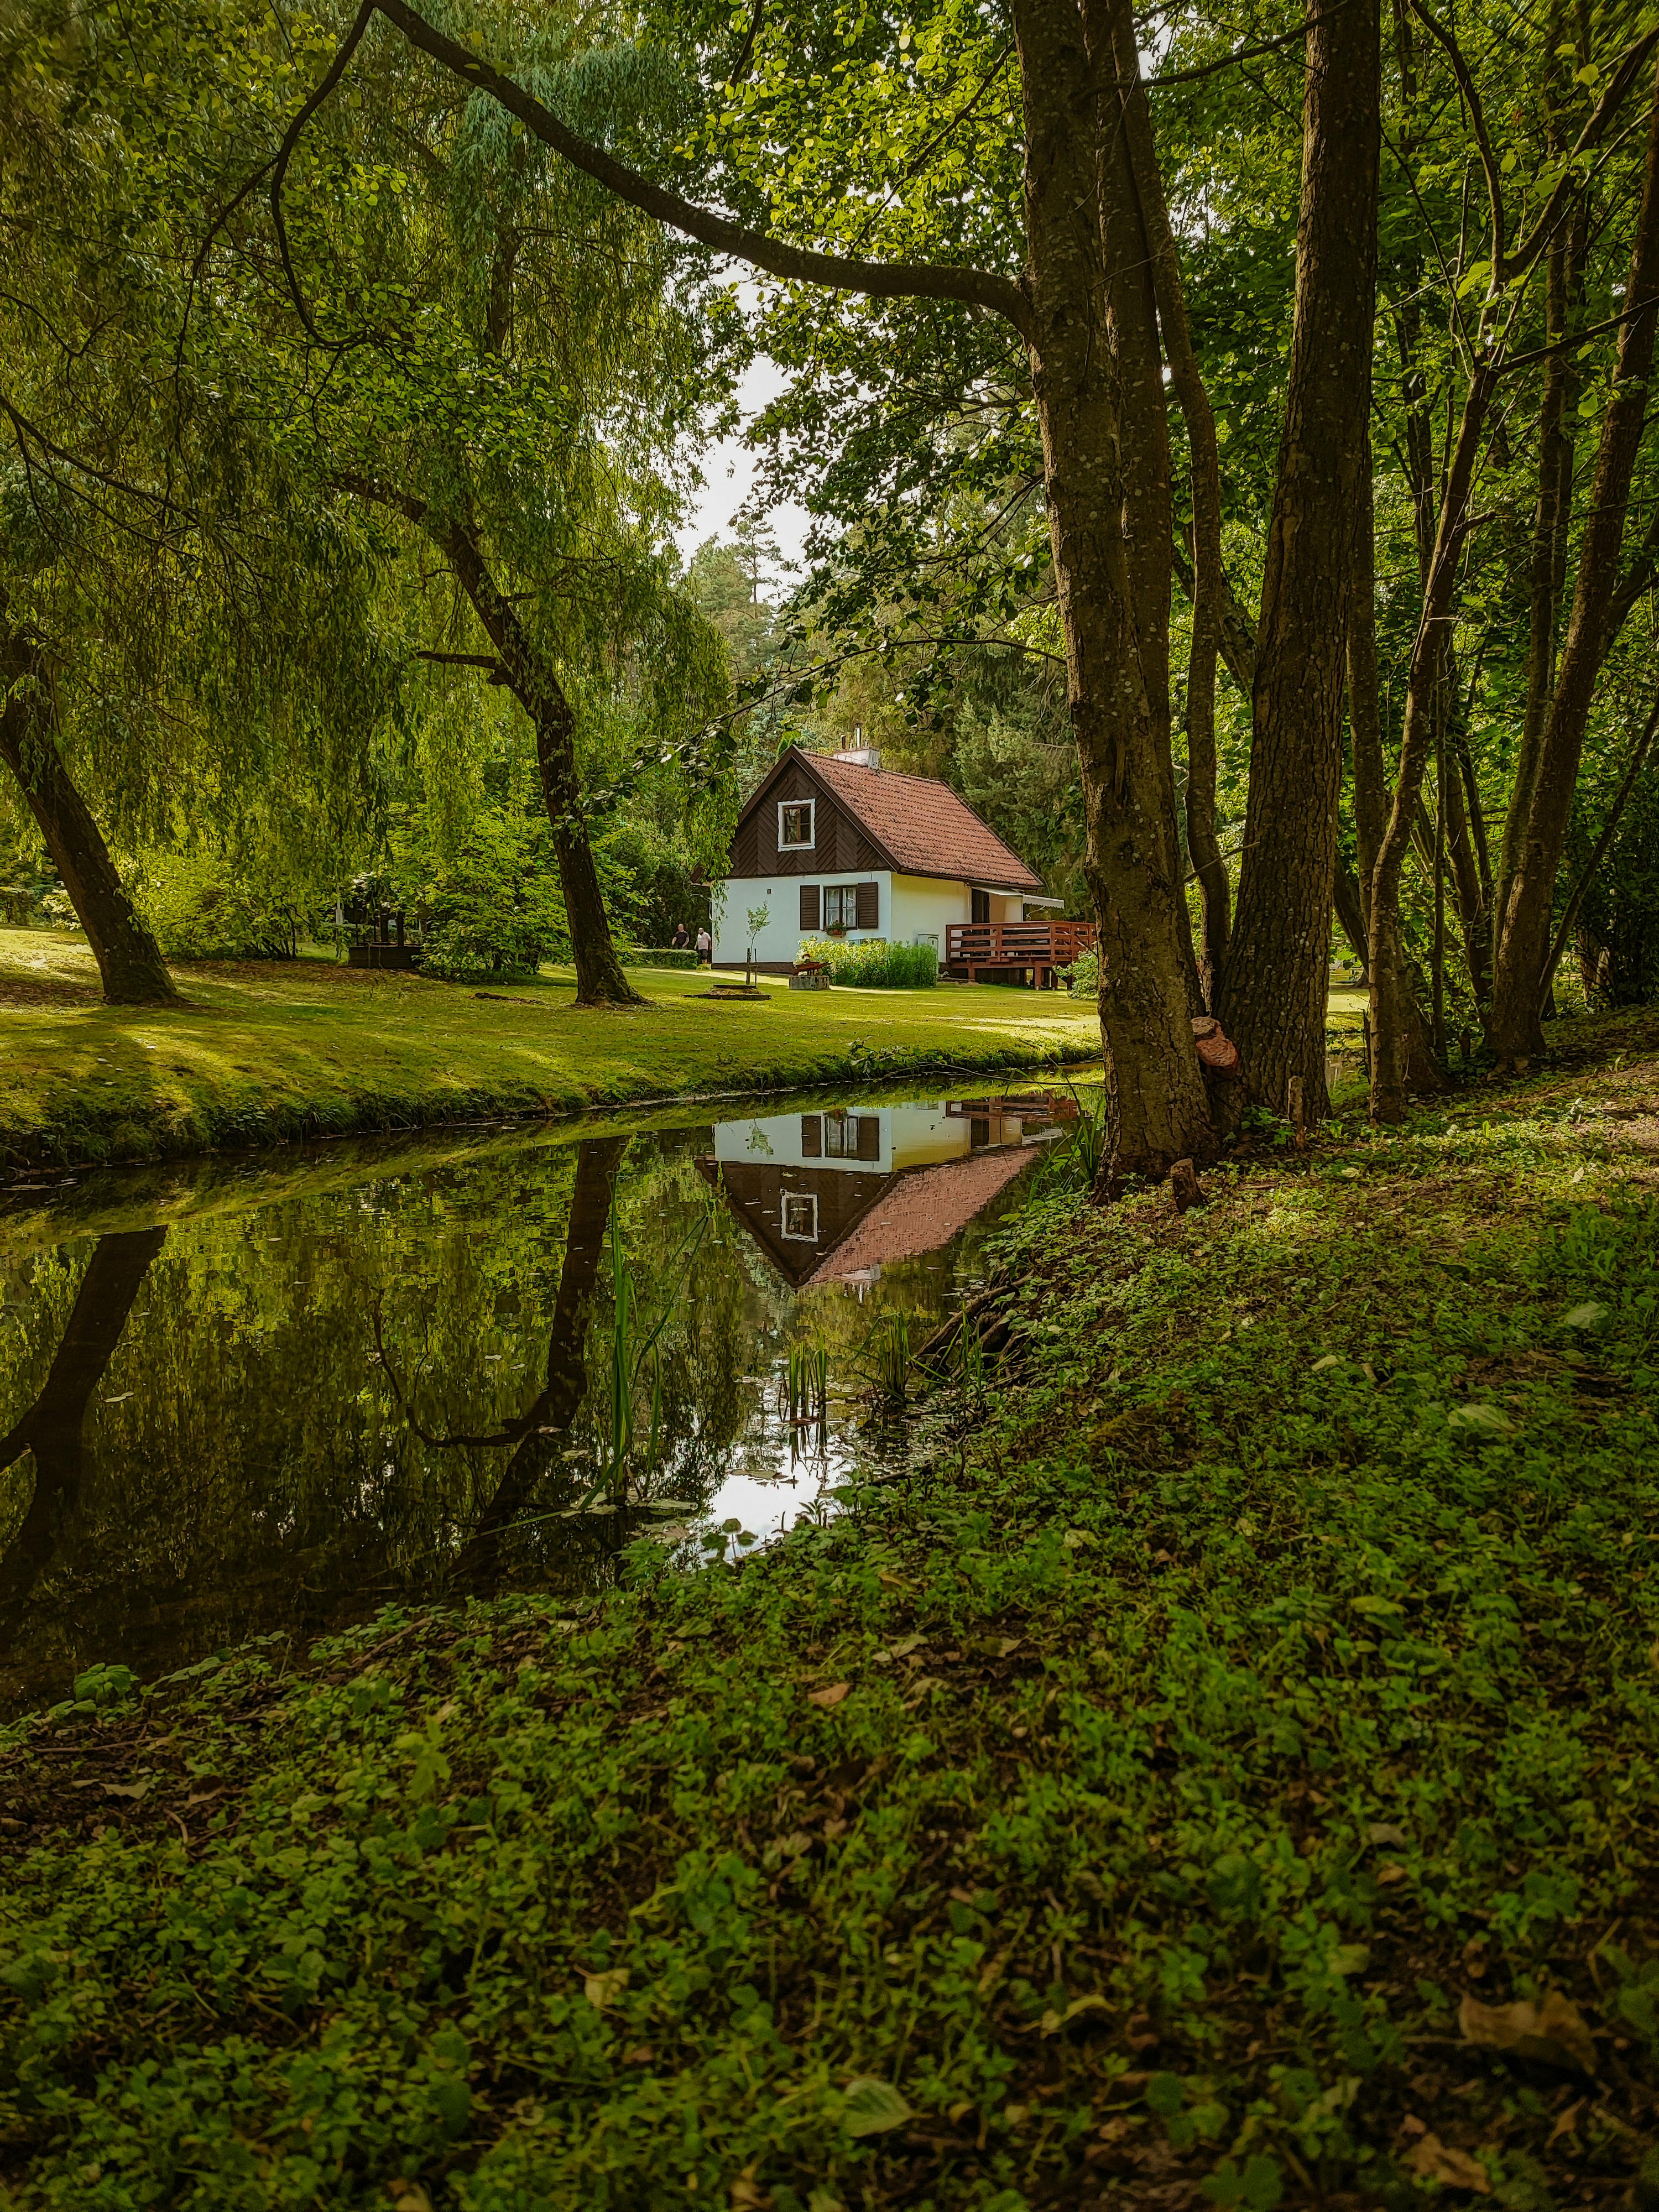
922,823
923,1210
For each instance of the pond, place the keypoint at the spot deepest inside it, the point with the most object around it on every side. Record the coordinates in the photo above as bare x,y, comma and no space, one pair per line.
267,1397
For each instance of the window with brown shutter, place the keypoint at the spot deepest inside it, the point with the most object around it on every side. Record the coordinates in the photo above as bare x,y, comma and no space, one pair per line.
812,1136
809,906
869,906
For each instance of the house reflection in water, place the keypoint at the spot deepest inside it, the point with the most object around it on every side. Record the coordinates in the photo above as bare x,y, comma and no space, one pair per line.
835,1196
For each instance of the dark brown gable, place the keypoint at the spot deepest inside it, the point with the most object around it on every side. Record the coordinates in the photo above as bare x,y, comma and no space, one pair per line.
841,844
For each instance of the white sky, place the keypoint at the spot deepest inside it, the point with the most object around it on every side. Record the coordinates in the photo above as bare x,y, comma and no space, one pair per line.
728,468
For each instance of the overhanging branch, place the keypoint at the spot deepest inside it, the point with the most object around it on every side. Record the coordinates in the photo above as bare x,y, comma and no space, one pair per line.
878,280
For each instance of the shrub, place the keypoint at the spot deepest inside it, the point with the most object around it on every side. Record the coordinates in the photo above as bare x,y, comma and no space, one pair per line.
659,956
489,906
201,909
872,963
1082,977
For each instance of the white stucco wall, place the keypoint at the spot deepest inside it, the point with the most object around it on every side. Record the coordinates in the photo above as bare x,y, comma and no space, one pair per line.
780,939
918,1136
908,907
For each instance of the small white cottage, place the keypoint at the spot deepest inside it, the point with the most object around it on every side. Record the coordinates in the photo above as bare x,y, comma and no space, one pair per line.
831,844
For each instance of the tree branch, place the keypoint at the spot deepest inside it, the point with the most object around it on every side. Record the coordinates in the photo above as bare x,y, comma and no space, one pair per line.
878,280
1576,337
1239,54
1532,243
1460,71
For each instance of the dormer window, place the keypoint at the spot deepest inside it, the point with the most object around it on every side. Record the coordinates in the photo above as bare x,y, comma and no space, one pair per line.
797,830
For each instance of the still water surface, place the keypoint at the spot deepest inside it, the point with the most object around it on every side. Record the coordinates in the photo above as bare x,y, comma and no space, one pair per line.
269,1399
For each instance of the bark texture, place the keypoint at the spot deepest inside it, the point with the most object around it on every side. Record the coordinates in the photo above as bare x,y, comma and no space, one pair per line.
129,959
52,1427
1528,895
1272,997
1096,374
1208,582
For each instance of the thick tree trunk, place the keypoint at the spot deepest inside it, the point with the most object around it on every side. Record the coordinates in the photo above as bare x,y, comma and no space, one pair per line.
51,1429
1096,371
129,959
1523,919
1208,577
1274,992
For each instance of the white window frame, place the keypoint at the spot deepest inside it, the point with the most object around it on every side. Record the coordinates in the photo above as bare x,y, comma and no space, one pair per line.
793,1198
845,895
843,1125
809,844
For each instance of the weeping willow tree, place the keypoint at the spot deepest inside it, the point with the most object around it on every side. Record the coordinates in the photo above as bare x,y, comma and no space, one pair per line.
294,449
439,323
187,638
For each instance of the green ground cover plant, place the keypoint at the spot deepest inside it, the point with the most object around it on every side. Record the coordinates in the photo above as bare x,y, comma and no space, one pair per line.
1161,1792
259,1053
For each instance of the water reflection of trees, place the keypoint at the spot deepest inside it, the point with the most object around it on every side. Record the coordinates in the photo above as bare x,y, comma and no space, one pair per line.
256,1464
339,1398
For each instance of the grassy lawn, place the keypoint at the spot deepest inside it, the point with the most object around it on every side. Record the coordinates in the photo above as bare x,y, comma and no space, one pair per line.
266,1050
1160,1796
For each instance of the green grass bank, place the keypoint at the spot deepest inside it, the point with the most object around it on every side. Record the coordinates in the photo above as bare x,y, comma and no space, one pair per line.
1223,1769
261,1052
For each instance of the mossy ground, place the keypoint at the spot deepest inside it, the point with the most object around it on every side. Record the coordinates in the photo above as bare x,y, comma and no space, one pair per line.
260,1051
1114,1810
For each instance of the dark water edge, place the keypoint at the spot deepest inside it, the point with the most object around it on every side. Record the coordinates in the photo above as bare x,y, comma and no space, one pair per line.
268,1396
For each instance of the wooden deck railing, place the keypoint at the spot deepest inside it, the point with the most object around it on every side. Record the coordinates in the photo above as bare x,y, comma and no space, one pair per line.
1016,944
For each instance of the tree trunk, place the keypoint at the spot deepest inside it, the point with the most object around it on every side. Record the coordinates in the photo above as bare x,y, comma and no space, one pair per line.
541,1431
51,1429
1274,989
601,980
1394,1009
1208,577
1096,372
1527,897
129,959
1546,557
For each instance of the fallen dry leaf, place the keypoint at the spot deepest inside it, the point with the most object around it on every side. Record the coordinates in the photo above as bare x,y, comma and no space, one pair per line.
831,1695
1438,2162
602,1990
409,2196
747,2194
1552,2031
1567,2125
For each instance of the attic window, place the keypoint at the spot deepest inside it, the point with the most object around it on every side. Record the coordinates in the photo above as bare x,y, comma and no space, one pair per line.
800,1217
796,825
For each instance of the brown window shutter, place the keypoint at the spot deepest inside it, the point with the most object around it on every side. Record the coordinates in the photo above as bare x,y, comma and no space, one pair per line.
809,906
869,906
812,1136
868,1125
